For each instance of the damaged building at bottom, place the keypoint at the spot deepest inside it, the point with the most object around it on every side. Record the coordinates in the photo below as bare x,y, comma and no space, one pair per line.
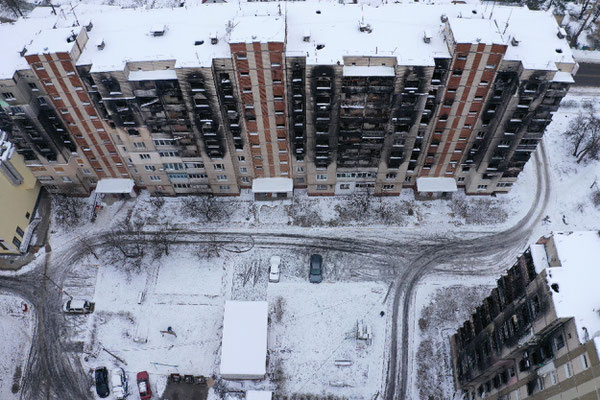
537,336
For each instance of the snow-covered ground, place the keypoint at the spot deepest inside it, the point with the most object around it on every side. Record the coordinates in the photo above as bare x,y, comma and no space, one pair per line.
16,329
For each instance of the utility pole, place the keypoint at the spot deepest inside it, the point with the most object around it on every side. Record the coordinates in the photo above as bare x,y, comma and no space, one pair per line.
61,290
52,6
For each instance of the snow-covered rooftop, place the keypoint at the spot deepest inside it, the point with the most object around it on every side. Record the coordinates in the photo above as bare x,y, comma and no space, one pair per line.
115,185
577,278
244,346
161,74
433,184
272,185
323,32
259,395
376,70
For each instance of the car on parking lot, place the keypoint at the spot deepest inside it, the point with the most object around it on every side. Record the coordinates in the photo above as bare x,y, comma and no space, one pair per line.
101,379
118,380
316,269
78,306
143,382
274,270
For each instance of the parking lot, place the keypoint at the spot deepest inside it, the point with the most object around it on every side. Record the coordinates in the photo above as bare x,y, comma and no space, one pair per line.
312,331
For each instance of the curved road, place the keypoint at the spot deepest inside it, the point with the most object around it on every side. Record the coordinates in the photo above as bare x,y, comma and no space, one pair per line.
55,372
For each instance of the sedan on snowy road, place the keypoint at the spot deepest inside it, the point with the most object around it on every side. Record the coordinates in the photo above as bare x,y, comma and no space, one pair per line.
316,269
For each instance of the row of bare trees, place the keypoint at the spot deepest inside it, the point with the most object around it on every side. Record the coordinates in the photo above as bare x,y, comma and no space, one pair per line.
583,135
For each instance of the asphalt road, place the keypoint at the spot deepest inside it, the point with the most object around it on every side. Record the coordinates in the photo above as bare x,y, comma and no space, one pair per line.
54,370
588,75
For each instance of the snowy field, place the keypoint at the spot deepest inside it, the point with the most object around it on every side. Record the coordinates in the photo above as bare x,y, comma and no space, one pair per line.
16,329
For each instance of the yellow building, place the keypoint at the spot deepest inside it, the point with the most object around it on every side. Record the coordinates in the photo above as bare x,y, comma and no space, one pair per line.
19,194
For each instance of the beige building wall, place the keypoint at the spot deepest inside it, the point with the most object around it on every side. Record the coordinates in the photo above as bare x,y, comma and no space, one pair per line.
18,205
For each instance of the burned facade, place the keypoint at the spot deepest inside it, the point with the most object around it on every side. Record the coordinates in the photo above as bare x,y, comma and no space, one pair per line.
525,340
259,94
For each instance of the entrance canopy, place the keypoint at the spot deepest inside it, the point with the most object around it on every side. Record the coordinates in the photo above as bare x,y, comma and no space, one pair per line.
115,186
431,185
272,185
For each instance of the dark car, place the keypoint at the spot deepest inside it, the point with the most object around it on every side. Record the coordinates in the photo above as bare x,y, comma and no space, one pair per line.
143,382
316,269
101,378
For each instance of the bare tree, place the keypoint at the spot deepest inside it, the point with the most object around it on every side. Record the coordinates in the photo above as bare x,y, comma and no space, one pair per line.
206,208
584,136
585,23
162,241
68,210
127,245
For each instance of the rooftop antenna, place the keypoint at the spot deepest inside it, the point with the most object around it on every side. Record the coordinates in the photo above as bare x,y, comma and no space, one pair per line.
73,11
52,6
507,20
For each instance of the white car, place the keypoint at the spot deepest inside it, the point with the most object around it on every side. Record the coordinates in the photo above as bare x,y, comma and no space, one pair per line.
78,306
274,271
118,381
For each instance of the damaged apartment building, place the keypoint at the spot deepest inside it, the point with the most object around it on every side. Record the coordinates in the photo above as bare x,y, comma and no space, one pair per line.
336,98
537,336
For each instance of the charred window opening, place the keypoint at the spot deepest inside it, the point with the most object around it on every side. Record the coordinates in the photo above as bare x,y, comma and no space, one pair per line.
121,112
111,84
364,117
322,87
229,104
205,119
57,132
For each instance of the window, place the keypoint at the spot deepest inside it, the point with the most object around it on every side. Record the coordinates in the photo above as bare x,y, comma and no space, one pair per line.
8,96
42,101
193,165
154,178
168,153
559,341
224,187
321,177
219,167
247,90
388,187
242,56
33,87
390,175
17,110
241,158
244,73
483,83
461,179
482,187
139,145
478,98
504,184
568,371
144,156
321,187
87,171
66,179
198,176
182,185
163,142
584,361
48,83
173,166
56,98
344,186
20,231
243,170
16,242
149,167
299,169
245,179
178,176
407,179
490,66
553,377
221,177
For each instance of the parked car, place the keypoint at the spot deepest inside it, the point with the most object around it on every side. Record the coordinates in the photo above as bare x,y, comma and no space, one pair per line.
274,271
118,380
143,382
316,269
78,306
101,378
